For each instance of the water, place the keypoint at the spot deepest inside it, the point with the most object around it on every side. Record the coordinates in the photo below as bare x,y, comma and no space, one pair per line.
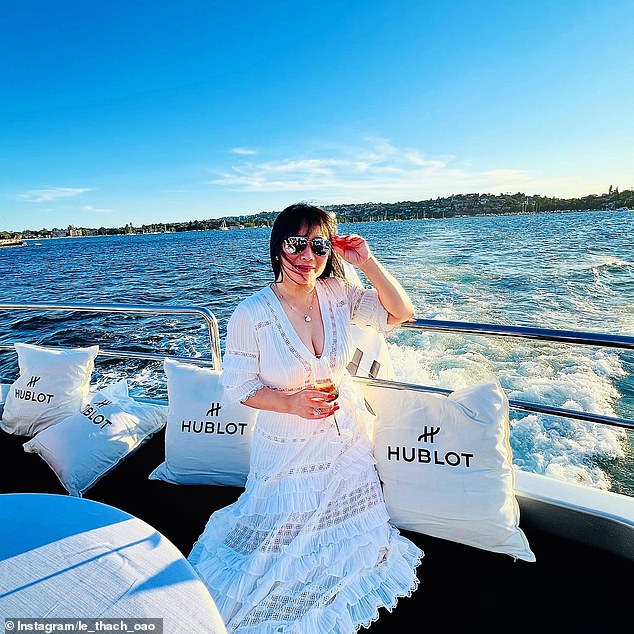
571,271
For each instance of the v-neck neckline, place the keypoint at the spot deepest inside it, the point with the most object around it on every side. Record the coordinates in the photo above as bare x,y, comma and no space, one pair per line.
293,332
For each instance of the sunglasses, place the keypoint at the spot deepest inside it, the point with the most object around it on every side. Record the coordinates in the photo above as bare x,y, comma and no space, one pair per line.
294,245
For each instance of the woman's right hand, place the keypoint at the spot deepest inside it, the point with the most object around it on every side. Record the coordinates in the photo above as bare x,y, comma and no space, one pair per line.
311,404
352,248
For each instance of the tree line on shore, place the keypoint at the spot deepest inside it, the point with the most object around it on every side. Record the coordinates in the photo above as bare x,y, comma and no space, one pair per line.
441,207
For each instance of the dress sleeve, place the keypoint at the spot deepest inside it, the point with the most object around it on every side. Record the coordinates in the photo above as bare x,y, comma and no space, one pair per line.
366,309
241,362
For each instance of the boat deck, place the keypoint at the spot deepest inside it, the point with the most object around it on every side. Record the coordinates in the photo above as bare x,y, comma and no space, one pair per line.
570,588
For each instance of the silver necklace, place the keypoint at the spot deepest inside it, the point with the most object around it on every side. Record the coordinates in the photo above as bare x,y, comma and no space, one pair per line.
307,317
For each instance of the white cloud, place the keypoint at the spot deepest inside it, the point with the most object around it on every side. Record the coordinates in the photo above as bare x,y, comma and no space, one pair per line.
377,171
42,195
96,210
242,151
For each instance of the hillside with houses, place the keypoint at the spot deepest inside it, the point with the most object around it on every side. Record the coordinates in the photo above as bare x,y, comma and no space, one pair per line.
442,207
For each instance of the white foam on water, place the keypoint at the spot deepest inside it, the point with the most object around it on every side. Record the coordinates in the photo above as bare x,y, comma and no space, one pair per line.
544,373
599,261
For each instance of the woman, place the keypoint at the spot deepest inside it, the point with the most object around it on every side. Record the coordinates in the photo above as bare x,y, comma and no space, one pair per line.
307,547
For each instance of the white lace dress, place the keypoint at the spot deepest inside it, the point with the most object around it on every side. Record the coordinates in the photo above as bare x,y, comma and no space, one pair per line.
307,547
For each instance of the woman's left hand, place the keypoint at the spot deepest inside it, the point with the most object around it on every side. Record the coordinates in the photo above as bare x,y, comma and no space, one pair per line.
352,248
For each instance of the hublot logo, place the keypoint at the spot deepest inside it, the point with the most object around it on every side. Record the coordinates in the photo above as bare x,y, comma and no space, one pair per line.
427,455
33,381
214,410
96,418
217,427
32,395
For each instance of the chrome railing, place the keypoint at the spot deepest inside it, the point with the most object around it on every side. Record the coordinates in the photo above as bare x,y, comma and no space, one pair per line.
215,358
522,332
624,342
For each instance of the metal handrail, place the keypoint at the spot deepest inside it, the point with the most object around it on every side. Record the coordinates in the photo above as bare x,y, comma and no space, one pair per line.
149,309
539,334
585,338
525,406
523,332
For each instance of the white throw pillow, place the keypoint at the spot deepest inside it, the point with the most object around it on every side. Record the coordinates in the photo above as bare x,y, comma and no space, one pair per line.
208,437
85,446
53,383
371,357
115,390
446,465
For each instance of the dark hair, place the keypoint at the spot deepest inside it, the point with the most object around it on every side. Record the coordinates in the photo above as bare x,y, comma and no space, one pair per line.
289,221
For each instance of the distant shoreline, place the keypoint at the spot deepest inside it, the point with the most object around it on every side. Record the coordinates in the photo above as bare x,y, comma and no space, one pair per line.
460,207
31,239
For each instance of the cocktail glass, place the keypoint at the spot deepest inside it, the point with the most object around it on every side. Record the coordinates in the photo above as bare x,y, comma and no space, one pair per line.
329,388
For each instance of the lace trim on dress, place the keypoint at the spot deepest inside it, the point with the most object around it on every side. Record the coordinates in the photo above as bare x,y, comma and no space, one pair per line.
356,297
284,439
350,504
289,607
258,387
253,391
240,353
363,580
332,361
303,470
246,538
287,341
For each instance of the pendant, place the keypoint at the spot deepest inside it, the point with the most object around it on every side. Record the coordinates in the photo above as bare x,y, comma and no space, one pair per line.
307,318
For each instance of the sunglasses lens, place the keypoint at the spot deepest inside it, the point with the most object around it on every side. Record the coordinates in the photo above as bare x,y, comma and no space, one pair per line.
320,246
295,245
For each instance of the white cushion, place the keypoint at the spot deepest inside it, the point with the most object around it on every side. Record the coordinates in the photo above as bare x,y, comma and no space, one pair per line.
208,437
88,444
371,357
114,390
52,385
446,465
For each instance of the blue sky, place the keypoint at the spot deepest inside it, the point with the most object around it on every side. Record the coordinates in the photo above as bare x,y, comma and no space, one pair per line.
152,111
